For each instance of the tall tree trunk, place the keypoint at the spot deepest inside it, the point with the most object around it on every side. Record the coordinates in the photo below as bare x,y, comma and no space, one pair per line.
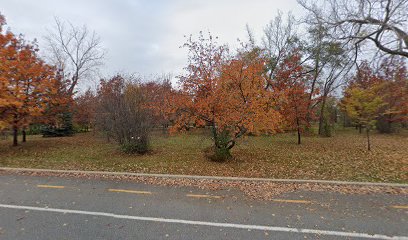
298,130
24,134
360,128
312,88
15,135
298,133
344,121
215,136
165,130
368,139
389,124
336,120
321,117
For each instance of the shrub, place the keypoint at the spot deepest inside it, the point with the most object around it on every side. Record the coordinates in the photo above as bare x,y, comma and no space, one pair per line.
139,145
122,114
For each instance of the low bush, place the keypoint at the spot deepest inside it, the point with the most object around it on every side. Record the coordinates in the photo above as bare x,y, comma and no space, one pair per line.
139,145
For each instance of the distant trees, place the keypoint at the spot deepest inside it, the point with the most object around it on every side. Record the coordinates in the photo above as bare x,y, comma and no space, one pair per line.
159,95
84,110
27,84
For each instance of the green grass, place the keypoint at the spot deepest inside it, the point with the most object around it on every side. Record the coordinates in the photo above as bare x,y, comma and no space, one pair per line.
342,157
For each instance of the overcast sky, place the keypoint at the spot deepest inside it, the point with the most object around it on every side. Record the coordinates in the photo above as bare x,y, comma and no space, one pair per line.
144,36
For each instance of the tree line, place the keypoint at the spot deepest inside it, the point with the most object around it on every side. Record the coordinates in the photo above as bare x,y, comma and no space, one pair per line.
294,77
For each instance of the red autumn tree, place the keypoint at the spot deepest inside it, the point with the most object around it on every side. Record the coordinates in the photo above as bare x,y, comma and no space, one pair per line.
292,83
394,91
365,77
158,96
84,109
225,93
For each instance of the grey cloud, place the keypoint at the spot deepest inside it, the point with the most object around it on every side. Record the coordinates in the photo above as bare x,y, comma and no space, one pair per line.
141,35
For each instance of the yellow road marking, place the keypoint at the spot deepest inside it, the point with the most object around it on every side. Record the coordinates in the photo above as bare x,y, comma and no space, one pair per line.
290,201
50,186
400,207
202,196
129,191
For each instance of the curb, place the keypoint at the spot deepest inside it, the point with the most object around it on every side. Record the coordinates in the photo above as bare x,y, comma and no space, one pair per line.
8,169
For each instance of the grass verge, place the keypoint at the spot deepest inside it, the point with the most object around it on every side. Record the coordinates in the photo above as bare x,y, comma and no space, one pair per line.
343,157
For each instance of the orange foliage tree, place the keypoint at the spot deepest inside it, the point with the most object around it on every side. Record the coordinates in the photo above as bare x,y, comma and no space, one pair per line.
226,93
27,83
292,83
6,99
60,100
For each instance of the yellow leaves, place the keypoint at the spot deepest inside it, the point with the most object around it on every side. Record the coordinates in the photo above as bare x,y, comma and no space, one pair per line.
363,105
362,99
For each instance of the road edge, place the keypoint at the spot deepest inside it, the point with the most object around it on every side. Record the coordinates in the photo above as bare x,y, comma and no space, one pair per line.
9,169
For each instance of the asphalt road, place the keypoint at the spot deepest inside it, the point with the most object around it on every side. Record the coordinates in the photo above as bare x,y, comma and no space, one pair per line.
68,208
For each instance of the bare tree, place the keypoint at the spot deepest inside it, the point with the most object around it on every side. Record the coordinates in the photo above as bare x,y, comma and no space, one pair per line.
280,39
381,22
76,51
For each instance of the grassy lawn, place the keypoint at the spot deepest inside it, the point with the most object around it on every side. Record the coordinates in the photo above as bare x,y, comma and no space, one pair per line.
343,157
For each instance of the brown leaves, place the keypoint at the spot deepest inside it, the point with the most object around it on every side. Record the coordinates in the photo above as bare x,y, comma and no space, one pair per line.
252,189
339,158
